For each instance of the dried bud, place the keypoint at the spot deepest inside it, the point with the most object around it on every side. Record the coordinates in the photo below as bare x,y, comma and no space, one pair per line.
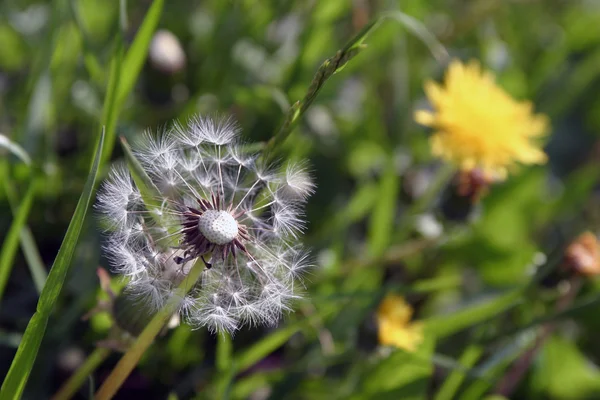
464,193
582,255
473,184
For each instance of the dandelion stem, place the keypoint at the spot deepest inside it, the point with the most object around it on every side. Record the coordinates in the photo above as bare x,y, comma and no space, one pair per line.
131,358
70,387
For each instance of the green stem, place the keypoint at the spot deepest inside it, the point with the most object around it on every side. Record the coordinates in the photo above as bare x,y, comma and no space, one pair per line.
131,358
325,71
70,387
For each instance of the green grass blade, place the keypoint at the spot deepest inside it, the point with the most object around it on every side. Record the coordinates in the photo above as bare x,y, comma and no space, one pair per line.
15,149
36,266
14,383
381,223
110,110
265,346
90,61
418,29
445,325
33,259
125,71
136,55
11,242
270,343
455,379
148,190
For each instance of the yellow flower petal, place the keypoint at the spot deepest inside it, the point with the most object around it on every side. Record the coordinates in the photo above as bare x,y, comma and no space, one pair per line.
424,117
394,326
478,125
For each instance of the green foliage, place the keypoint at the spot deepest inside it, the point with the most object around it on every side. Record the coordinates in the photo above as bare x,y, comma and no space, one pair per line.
14,383
337,83
11,242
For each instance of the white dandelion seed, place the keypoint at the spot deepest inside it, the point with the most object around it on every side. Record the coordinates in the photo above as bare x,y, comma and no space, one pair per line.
219,204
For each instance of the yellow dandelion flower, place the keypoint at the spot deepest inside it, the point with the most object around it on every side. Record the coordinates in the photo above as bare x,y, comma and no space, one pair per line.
478,124
395,328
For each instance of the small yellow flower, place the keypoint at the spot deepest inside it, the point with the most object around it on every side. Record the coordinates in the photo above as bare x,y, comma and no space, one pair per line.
478,125
395,328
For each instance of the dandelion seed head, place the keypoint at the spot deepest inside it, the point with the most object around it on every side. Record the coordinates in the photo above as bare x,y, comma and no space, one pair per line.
218,227
219,205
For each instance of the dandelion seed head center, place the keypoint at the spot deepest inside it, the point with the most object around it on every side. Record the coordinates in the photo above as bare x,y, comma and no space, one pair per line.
218,227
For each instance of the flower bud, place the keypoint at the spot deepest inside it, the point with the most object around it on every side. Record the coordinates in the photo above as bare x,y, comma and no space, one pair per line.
582,256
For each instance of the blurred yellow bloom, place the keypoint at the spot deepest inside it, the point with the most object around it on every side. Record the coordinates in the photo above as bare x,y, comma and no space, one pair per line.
478,124
395,328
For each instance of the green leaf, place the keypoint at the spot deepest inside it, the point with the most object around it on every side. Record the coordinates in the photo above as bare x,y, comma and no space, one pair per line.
93,66
418,29
110,110
457,376
265,346
14,383
28,245
15,149
494,368
402,375
11,242
270,343
445,325
564,372
381,223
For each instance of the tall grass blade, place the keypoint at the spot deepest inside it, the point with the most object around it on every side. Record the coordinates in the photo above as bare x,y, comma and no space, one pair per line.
14,383
11,242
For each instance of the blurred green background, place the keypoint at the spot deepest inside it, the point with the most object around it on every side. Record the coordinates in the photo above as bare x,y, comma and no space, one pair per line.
463,269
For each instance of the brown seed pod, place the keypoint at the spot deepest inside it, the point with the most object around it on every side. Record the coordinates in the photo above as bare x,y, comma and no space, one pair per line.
583,256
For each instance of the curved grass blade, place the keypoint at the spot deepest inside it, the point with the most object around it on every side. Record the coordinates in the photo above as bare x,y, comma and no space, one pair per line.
148,190
14,148
455,379
11,242
14,383
110,109
446,325
332,65
418,29
247,358
28,246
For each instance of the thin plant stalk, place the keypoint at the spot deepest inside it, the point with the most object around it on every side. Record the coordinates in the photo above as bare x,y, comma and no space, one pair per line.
326,70
70,387
131,358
